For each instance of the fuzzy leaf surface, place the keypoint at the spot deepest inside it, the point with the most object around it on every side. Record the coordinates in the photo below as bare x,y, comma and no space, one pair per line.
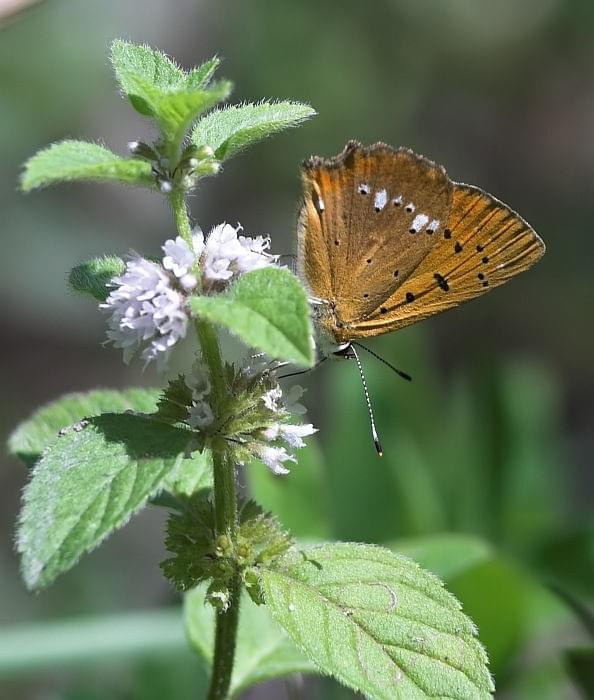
31,437
263,649
230,130
176,110
88,483
80,160
138,61
199,78
268,310
93,276
377,622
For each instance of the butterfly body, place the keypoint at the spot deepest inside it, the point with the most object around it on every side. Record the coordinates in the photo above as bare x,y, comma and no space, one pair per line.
387,239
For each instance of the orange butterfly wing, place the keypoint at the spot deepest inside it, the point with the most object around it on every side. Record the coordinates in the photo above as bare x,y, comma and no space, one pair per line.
386,239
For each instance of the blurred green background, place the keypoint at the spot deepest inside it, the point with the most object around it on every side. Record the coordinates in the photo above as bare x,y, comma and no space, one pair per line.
492,441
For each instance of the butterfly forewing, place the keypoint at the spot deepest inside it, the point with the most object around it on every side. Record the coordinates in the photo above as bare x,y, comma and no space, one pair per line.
386,239
484,245
368,219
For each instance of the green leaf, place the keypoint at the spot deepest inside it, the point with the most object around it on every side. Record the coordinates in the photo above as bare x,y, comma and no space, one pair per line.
89,482
139,61
228,131
263,649
191,475
32,648
268,310
30,438
175,111
378,622
93,276
198,78
80,160
446,555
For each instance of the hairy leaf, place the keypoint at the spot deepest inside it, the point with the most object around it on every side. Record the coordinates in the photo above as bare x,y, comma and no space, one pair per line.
268,310
198,78
378,622
263,649
31,437
89,482
133,61
228,131
176,110
93,276
81,160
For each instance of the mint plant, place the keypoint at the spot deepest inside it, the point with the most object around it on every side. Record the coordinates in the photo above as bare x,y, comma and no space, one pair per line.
257,604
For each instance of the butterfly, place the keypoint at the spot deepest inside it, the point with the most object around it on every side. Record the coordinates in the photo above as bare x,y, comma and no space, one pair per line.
386,239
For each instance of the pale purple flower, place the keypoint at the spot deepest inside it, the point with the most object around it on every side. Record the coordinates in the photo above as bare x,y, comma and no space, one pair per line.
272,397
274,458
145,310
227,255
147,304
292,434
180,258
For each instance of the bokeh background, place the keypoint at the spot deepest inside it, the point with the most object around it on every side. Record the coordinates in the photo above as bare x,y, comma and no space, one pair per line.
492,441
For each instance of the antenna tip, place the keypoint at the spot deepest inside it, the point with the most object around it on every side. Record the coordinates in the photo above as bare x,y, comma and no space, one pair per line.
378,447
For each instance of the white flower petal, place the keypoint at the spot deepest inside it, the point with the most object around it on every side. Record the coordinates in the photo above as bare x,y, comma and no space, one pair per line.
144,308
294,434
274,457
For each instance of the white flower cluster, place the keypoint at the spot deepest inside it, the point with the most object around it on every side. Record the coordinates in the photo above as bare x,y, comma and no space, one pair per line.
274,456
147,305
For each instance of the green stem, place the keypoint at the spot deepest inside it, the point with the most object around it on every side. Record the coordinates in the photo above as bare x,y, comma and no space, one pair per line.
224,651
177,200
225,492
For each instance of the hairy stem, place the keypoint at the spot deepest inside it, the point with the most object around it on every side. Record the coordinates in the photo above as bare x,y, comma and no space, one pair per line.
224,651
225,493
177,200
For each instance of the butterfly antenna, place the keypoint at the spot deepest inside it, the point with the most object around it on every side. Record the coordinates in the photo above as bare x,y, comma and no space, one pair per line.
399,372
376,441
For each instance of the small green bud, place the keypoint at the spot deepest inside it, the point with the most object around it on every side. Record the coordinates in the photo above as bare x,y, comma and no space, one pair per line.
223,546
204,152
218,596
209,167
142,150
251,581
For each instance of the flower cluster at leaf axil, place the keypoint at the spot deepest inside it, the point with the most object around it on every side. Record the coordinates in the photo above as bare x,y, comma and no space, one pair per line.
200,554
256,418
147,305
